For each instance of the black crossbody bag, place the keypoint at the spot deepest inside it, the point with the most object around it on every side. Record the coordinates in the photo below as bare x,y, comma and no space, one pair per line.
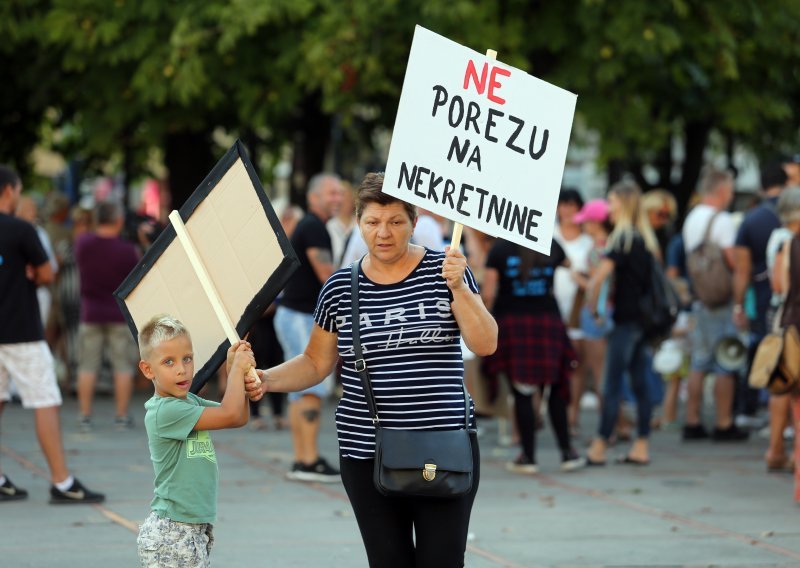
421,463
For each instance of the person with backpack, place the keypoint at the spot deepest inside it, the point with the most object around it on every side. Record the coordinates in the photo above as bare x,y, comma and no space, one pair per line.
631,253
709,235
751,279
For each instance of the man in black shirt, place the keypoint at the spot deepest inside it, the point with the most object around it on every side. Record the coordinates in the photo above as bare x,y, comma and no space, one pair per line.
294,321
24,266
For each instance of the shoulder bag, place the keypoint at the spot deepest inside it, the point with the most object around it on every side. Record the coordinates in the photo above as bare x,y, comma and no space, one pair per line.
419,463
776,364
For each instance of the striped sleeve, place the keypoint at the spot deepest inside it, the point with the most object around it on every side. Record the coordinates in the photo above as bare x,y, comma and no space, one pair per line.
326,312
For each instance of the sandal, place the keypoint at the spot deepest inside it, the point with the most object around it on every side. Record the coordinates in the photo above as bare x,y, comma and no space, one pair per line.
780,465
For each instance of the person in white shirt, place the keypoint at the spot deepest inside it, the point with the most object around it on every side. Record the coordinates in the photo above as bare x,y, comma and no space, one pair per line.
577,245
712,324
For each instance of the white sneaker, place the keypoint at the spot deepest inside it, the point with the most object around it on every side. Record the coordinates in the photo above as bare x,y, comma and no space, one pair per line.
522,466
750,422
573,463
589,401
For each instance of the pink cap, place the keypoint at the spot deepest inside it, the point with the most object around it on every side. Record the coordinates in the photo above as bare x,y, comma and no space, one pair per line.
593,210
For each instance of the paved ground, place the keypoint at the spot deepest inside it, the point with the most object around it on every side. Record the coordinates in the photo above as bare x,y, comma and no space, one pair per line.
695,505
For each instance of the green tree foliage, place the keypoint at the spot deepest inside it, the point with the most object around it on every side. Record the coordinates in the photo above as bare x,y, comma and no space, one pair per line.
122,77
651,73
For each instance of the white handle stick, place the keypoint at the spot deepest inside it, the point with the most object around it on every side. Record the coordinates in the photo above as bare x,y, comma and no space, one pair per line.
206,283
455,240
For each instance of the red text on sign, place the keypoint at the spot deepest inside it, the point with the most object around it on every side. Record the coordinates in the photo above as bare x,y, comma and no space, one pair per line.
480,83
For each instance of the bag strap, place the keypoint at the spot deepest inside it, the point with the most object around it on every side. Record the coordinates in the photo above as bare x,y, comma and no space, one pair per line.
787,260
361,364
707,234
786,282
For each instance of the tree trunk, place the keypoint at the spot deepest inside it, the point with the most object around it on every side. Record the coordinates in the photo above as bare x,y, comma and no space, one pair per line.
616,169
695,140
312,135
664,166
188,158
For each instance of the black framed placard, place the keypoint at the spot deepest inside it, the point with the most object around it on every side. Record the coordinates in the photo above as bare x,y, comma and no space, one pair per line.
243,247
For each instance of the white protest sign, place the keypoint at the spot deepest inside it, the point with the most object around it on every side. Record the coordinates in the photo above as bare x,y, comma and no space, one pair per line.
479,142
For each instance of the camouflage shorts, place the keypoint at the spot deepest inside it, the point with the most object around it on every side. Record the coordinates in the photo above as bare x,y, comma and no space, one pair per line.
165,543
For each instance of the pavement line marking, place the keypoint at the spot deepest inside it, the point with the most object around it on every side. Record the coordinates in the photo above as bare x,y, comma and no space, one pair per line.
321,488
667,515
279,471
24,462
494,558
119,519
108,513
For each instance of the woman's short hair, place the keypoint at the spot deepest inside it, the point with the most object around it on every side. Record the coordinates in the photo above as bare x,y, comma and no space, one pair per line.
160,328
789,205
369,191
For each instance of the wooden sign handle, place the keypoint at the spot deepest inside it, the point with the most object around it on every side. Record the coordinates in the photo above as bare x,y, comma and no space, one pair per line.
455,240
206,282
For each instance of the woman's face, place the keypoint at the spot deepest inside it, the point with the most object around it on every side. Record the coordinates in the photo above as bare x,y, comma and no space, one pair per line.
659,216
593,228
566,210
387,230
613,207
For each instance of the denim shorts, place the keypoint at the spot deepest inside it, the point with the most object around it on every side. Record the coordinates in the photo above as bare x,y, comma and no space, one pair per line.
592,329
293,330
165,543
711,325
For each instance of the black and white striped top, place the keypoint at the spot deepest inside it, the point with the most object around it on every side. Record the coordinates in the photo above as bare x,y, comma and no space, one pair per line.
412,349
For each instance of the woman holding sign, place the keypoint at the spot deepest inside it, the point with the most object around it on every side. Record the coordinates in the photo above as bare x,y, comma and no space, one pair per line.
628,253
413,306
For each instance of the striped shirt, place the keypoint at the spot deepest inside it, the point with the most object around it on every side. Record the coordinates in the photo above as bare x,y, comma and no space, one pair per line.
411,345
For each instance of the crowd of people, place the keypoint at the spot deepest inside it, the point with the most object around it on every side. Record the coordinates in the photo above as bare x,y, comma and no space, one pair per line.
553,334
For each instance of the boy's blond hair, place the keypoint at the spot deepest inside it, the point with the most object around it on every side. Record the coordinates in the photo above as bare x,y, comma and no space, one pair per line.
160,328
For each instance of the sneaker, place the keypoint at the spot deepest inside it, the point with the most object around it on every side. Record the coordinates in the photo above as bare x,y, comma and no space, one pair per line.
123,422
292,472
571,461
85,424
76,494
696,432
730,434
589,401
258,424
750,422
10,492
522,465
320,471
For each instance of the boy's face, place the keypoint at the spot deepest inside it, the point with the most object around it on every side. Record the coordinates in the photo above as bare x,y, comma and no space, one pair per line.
170,367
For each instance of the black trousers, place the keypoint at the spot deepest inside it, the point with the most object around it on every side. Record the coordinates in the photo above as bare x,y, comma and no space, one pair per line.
409,532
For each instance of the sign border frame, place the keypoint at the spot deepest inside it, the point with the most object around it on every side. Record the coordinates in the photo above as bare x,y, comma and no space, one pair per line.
272,287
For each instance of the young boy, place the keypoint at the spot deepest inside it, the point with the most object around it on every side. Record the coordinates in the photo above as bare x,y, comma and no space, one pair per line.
178,530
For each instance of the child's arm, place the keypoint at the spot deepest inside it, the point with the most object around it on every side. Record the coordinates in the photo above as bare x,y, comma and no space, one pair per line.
234,410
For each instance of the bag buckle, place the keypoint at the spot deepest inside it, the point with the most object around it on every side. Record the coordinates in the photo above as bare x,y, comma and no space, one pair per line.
360,365
429,473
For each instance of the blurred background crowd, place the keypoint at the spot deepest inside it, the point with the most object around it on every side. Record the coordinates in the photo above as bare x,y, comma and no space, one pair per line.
114,112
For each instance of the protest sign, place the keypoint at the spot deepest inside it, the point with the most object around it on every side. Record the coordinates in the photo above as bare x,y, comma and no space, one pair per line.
238,260
479,142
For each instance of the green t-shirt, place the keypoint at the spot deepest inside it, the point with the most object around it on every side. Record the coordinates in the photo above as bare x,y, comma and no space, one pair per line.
184,460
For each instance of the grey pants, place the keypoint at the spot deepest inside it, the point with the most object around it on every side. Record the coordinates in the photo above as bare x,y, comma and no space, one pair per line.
164,543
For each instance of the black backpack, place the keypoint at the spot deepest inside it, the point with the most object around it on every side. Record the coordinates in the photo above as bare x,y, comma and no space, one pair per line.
659,305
